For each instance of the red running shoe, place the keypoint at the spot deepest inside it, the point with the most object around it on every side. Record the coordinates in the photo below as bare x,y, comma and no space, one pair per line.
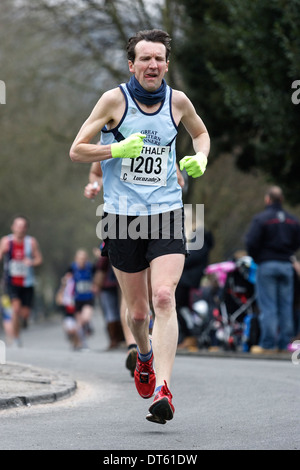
162,409
144,377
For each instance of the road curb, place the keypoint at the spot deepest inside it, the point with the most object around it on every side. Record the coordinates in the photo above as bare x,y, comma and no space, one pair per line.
25,385
281,356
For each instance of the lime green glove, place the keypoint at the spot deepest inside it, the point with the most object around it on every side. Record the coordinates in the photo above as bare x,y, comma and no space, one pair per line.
195,165
128,148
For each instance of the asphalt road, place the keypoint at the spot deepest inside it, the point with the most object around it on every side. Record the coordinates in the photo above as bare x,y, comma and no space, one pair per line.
221,403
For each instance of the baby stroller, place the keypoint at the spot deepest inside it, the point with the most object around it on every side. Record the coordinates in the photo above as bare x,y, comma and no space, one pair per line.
204,304
235,321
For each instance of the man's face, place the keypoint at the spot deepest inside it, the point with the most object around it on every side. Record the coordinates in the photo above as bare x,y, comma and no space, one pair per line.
81,258
150,65
19,227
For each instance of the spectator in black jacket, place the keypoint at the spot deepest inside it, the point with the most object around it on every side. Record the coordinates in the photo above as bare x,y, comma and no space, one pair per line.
273,238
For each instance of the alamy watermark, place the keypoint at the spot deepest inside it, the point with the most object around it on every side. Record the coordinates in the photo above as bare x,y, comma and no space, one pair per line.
296,95
2,92
162,222
2,352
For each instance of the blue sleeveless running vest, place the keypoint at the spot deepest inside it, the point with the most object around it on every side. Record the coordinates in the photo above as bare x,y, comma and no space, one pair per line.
147,184
83,278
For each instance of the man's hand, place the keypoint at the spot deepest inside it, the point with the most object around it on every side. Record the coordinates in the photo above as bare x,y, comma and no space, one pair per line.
195,165
91,190
128,148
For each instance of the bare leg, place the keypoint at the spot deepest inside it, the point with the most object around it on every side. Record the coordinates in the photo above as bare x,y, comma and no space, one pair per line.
129,338
25,312
16,314
165,274
9,331
134,288
86,314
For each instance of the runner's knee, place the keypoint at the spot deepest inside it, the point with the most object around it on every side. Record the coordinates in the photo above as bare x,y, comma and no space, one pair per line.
138,315
163,298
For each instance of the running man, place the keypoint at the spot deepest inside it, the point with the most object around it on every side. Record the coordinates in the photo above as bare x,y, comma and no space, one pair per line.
90,191
83,272
21,254
139,122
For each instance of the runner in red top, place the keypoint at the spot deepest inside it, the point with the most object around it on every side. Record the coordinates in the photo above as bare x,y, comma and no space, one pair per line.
21,254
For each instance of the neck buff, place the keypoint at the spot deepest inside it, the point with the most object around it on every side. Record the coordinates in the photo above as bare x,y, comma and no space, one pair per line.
146,97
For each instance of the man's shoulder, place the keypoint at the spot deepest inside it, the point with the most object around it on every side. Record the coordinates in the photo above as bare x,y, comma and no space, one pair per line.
113,96
260,215
5,241
32,240
179,96
181,103
292,217
110,103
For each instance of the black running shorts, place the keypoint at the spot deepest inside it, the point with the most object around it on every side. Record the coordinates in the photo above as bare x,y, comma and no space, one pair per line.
24,294
132,242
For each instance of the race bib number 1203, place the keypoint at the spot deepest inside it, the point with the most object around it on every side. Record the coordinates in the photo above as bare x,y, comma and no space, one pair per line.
150,168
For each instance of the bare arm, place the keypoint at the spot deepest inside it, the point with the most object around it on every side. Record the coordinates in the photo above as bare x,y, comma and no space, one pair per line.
185,112
296,265
95,176
98,280
103,113
37,258
180,178
3,247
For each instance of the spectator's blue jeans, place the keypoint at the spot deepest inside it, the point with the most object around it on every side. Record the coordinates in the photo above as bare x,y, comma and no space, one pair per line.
275,291
109,302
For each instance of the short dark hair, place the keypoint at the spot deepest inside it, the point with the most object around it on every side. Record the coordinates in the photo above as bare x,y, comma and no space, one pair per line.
275,194
151,35
21,216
